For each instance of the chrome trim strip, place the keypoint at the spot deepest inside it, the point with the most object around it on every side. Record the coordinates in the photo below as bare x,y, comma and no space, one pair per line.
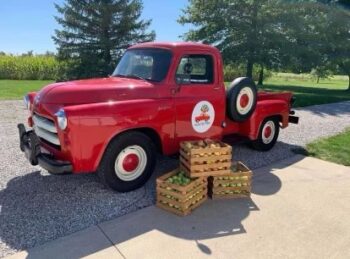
44,123
49,136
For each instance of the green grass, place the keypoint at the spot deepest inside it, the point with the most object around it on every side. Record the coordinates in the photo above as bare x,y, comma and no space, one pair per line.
335,149
16,89
307,91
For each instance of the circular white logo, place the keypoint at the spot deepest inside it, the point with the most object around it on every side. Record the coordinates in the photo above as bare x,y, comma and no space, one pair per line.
203,116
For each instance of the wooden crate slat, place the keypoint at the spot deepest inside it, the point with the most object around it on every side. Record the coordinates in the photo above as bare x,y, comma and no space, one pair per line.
181,194
218,182
162,182
206,150
182,198
213,158
232,174
182,189
183,205
216,188
170,192
178,212
242,167
242,188
204,174
229,196
206,167
247,184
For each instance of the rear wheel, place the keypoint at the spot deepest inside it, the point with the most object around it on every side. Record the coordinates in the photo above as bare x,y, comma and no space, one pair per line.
128,162
268,135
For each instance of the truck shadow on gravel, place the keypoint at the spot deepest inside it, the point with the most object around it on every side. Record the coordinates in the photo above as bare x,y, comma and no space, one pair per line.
37,207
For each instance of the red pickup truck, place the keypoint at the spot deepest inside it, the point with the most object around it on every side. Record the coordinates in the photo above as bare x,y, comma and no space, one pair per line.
159,95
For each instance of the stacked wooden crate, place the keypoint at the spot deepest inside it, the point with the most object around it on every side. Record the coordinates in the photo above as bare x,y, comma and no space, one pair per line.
203,161
181,198
205,158
236,184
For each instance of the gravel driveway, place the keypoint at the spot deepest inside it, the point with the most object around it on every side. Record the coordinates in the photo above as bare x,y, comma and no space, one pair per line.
36,207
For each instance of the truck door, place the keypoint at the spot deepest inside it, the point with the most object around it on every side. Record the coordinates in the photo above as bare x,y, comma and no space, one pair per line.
199,98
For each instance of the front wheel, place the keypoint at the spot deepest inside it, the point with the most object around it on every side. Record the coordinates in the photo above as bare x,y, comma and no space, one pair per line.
128,162
268,135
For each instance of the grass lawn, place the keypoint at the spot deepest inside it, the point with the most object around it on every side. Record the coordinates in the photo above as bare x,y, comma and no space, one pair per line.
16,89
335,149
307,91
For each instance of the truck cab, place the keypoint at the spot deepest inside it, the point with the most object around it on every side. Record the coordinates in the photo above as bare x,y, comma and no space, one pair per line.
159,95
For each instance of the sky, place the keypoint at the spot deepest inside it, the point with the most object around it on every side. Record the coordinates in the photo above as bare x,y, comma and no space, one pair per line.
29,24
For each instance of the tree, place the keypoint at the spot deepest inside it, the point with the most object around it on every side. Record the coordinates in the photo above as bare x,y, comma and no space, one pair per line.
323,37
320,72
94,33
336,38
246,31
338,51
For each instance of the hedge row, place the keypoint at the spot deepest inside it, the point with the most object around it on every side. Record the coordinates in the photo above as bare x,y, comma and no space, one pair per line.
30,67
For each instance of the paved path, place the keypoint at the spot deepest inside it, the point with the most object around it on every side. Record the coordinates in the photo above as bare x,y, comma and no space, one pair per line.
37,207
299,209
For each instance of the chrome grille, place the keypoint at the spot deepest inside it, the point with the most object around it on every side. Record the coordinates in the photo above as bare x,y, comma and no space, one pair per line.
45,129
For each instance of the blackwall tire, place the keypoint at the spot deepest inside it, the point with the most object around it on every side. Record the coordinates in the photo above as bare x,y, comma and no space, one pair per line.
128,162
268,135
241,98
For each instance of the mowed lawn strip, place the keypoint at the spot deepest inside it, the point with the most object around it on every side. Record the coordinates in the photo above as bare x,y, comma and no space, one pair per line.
16,89
307,91
334,149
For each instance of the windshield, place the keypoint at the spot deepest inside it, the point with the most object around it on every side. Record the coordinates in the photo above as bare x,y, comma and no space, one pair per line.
148,64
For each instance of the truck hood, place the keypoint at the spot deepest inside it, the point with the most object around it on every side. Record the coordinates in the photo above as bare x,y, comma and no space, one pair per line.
96,90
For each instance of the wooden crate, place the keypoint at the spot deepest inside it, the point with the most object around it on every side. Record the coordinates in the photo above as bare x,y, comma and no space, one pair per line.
205,161
232,185
185,198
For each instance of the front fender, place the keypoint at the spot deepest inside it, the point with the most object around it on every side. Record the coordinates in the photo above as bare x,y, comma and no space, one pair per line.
265,109
101,122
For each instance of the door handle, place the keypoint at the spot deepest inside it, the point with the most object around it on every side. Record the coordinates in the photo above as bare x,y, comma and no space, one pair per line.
175,90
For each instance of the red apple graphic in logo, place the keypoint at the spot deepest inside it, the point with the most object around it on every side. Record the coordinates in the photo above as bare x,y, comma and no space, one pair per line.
204,116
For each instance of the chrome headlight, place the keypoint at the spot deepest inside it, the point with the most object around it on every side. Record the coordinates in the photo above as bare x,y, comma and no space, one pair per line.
61,119
26,102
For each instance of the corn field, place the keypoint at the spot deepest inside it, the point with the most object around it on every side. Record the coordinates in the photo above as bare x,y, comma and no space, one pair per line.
30,67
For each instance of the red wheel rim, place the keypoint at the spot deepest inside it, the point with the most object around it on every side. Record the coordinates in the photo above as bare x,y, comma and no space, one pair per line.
244,100
130,162
267,132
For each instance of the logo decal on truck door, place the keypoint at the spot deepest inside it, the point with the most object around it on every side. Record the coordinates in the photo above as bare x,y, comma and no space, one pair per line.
203,116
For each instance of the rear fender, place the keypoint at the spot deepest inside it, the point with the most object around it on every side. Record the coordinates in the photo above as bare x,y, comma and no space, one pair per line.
265,109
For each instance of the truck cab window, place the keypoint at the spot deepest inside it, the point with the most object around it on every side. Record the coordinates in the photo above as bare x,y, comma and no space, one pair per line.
195,69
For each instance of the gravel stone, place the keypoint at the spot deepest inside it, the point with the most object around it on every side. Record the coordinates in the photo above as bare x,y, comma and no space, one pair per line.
36,207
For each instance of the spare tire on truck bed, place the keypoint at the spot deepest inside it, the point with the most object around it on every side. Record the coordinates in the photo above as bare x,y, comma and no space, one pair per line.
241,98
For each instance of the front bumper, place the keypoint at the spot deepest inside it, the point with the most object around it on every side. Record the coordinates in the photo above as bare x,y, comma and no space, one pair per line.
30,145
